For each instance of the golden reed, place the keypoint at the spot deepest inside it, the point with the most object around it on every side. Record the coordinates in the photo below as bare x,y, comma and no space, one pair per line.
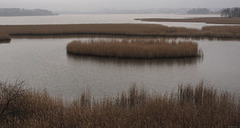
135,48
192,106
150,30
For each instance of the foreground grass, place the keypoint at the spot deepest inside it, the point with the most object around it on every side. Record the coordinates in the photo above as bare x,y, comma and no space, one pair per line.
199,106
232,32
208,20
4,37
139,48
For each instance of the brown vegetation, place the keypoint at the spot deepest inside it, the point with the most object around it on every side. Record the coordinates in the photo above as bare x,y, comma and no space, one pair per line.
222,31
144,49
208,20
4,37
97,29
121,30
199,106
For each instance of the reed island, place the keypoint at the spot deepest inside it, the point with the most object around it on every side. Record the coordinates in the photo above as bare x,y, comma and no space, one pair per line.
135,48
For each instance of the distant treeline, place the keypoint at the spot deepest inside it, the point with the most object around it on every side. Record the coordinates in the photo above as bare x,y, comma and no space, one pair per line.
24,12
230,12
202,11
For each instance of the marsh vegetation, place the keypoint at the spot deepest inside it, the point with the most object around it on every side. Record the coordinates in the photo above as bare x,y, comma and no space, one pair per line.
190,106
135,48
4,37
143,30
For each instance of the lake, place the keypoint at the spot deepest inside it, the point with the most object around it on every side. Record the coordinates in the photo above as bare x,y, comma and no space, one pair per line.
44,63
102,18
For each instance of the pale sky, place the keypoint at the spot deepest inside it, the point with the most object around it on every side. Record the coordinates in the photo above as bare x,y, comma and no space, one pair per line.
93,5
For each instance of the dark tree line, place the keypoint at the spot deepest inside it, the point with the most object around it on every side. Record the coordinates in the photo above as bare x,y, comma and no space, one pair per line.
230,12
24,12
201,11
198,11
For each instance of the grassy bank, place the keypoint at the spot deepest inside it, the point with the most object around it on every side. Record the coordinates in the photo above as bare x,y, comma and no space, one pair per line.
4,37
97,29
144,49
208,20
149,30
199,106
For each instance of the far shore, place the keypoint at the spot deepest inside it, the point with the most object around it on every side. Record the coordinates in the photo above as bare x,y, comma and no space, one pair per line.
208,20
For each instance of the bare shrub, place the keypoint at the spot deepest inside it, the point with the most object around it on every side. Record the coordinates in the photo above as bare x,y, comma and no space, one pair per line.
9,99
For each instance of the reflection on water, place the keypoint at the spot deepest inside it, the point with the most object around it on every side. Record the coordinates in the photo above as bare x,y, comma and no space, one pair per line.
135,62
86,37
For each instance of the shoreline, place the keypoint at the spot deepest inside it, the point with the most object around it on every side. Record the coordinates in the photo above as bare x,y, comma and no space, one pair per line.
207,20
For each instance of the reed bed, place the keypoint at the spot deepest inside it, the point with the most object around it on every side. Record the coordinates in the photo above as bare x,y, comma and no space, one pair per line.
197,107
208,20
4,37
222,31
97,29
139,48
143,30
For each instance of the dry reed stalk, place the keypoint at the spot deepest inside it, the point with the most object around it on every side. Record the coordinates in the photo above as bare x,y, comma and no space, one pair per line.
198,106
222,31
139,48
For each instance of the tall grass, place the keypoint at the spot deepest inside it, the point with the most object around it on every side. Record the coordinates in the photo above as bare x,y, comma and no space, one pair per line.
222,31
199,106
121,30
139,48
98,29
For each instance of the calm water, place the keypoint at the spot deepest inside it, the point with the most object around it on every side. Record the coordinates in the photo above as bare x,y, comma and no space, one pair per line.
45,64
101,18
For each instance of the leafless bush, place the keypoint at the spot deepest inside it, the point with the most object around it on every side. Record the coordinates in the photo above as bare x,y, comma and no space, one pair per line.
9,99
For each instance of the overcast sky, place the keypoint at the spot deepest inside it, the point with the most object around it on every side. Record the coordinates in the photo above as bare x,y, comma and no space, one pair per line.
93,5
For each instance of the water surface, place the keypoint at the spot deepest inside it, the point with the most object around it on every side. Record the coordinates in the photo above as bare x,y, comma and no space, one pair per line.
102,19
44,63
